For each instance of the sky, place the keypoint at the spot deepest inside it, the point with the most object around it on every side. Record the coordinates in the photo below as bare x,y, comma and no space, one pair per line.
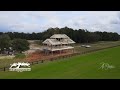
38,21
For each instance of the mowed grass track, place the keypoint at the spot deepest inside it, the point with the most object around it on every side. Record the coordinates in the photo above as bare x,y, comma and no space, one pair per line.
77,67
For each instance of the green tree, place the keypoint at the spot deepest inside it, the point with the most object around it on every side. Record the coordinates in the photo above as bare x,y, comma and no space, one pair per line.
20,45
4,41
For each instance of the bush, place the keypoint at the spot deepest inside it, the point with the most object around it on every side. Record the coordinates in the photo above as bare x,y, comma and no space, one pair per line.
4,42
20,45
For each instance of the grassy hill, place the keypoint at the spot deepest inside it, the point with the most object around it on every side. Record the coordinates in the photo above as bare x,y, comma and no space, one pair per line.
77,67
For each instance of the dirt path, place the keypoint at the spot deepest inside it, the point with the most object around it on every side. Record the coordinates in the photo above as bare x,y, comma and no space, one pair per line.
41,56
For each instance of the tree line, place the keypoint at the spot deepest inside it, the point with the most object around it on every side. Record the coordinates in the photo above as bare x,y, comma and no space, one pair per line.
8,46
79,36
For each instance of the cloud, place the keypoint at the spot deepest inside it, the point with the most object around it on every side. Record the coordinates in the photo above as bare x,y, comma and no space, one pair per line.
37,21
116,20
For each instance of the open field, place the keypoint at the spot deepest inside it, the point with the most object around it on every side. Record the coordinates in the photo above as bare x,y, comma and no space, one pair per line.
97,45
85,66
7,61
7,57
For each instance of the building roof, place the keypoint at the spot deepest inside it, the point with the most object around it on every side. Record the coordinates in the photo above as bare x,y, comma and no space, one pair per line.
67,41
59,36
53,41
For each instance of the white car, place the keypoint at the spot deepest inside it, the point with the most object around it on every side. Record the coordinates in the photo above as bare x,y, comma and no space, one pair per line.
87,46
82,45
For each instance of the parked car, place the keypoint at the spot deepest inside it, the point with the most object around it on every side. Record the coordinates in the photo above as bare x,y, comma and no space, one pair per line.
87,46
82,45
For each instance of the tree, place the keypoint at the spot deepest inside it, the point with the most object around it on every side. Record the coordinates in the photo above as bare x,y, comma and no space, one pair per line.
79,36
20,45
4,41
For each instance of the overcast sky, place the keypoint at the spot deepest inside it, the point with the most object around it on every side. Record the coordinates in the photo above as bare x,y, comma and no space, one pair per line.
37,21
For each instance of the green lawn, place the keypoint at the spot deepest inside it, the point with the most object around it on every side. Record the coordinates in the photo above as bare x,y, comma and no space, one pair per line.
78,67
97,45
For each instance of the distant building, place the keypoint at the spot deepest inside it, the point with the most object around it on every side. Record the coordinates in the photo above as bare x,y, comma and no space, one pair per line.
58,42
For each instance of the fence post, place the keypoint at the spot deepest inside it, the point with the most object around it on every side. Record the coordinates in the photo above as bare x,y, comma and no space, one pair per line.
51,59
41,61
37,62
4,68
32,63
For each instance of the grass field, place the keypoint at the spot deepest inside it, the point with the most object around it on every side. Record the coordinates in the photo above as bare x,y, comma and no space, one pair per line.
86,66
97,45
102,44
7,60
